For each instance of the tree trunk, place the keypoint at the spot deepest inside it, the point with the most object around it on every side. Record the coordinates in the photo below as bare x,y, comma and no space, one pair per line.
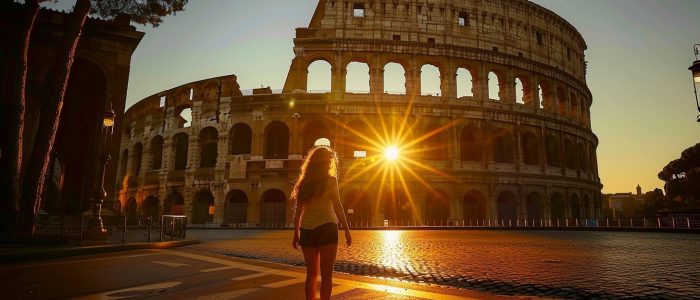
16,110
50,117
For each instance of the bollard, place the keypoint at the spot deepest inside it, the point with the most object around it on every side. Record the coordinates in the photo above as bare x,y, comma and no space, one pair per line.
658,222
577,222
510,223
618,222
688,221
558,223
607,222
644,222
673,222
631,224
567,222
150,226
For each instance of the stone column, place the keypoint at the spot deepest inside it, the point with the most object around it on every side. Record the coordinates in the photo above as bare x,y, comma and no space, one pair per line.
376,79
448,83
481,84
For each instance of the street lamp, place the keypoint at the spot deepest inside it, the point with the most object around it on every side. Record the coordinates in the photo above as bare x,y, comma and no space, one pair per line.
96,230
695,69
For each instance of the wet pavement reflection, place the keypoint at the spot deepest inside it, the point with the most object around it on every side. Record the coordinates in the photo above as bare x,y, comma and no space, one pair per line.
540,263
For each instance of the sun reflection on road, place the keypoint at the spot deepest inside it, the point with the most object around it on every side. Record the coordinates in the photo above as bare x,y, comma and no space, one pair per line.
392,251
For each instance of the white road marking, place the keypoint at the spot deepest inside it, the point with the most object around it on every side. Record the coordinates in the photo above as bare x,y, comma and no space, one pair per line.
284,283
130,292
341,289
228,295
251,276
170,264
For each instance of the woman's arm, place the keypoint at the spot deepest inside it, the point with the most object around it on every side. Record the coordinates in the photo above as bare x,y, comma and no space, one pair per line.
340,211
297,223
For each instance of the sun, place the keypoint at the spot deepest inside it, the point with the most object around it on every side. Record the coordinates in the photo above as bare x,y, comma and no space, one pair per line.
391,153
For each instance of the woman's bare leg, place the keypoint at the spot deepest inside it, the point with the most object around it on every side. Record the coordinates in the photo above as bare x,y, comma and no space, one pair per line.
328,253
311,256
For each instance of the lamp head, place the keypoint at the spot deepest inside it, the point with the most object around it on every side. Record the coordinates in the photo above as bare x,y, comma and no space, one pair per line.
108,118
695,69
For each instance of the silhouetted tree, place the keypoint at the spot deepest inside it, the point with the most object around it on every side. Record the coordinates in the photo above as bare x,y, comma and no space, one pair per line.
142,12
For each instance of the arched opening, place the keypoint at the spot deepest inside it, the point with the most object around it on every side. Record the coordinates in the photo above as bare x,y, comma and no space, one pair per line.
394,79
358,207
184,116
318,78
313,131
561,101
465,83
276,141
131,211
209,146
181,141
474,206
471,144
507,206
357,78
586,207
174,204
240,139
502,146
437,208
575,207
136,162
236,207
397,207
557,206
534,206
157,153
531,149
151,207
274,208
494,87
435,145
570,154
429,80
553,155
540,96
519,91
356,138
583,157
203,207
574,106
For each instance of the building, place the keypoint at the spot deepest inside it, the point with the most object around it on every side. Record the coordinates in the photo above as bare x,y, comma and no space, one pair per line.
506,137
98,80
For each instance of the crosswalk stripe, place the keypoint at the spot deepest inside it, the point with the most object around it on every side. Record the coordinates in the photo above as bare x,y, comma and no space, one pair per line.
284,283
254,275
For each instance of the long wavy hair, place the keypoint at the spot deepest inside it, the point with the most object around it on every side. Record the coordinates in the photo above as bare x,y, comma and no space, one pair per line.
320,164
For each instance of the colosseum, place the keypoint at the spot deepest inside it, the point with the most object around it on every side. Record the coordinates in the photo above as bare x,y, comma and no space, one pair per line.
504,134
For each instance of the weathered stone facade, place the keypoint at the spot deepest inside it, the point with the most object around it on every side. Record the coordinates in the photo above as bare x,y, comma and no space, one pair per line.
517,157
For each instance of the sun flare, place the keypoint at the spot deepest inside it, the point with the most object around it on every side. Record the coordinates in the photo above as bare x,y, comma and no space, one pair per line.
391,153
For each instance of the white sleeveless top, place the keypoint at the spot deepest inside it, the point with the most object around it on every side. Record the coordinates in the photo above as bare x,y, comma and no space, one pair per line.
319,210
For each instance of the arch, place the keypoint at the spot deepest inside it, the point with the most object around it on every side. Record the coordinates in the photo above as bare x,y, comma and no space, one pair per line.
575,206
318,77
131,210
519,91
274,207
586,205
276,141
236,211
181,142
465,83
557,206
136,162
397,207
184,116
471,146
502,146
437,207
540,96
531,148
494,86
570,154
314,130
574,110
358,207
203,207
355,139
357,78
507,206
240,139
435,145
208,147
552,151
157,152
534,206
561,101
394,79
474,205
151,207
174,204
430,80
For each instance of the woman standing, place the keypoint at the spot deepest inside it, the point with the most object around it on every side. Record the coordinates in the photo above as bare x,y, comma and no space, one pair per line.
318,210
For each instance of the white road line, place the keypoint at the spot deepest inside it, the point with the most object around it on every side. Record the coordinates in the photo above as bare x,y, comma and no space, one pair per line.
170,264
129,292
341,289
228,295
284,283
251,276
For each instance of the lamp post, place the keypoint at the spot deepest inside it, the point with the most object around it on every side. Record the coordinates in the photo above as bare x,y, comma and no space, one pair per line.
95,229
695,69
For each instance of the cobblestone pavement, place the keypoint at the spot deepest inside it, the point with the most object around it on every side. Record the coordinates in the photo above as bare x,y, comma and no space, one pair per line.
530,263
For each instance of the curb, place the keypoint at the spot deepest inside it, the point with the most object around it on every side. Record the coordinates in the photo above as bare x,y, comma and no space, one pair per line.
77,251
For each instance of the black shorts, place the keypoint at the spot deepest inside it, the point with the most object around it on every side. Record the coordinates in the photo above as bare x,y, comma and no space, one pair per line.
326,234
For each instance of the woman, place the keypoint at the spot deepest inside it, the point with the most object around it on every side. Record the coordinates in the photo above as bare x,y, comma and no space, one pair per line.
318,210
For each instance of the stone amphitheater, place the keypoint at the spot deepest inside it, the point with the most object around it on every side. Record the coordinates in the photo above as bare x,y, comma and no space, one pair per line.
507,135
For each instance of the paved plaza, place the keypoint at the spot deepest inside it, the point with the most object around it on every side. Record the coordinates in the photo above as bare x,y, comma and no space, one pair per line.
524,263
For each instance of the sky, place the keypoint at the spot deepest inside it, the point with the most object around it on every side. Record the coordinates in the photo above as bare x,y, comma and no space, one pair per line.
639,52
